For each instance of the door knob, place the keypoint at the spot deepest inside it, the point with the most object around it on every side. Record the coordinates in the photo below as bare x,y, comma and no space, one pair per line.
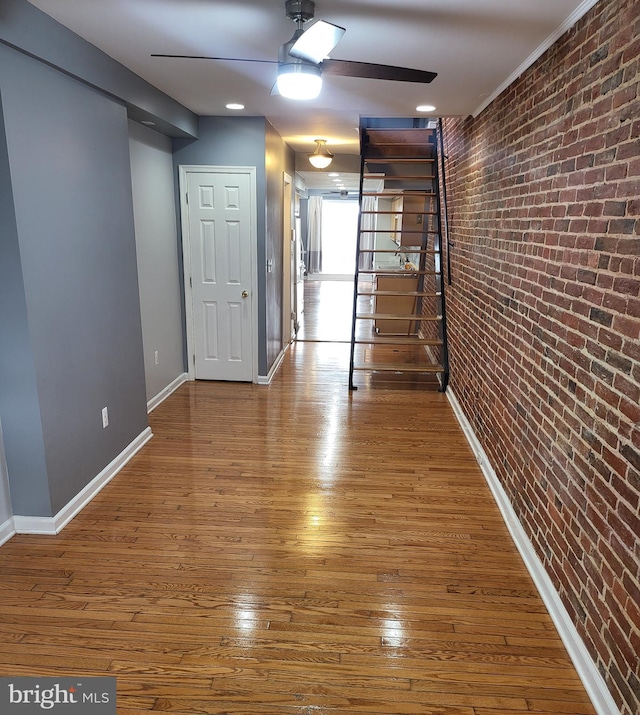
245,293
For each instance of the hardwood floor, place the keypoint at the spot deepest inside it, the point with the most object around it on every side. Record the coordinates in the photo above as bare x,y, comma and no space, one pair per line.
328,311
292,550
327,318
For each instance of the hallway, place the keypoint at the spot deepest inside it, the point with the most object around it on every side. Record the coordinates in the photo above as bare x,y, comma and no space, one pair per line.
292,549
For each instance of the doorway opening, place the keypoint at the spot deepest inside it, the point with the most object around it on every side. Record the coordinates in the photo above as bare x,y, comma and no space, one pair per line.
329,290
339,234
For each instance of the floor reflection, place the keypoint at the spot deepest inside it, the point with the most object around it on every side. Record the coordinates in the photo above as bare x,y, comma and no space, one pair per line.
328,311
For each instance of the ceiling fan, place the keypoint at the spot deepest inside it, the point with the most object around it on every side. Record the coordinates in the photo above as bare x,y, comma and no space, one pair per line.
303,60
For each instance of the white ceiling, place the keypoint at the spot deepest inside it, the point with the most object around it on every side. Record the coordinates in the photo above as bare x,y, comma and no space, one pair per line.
473,45
324,180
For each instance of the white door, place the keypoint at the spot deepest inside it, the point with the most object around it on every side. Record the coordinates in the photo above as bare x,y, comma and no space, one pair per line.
219,214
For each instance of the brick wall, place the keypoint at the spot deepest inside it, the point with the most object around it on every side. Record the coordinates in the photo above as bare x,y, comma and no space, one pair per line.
544,318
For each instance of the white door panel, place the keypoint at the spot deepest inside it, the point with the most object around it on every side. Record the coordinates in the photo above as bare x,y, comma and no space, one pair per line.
220,246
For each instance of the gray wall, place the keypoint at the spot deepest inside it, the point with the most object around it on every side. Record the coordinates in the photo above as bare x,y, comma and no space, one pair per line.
25,26
234,141
157,251
252,141
72,316
19,403
5,498
279,159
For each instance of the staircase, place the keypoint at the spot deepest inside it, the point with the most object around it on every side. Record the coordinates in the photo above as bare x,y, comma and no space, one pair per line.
399,322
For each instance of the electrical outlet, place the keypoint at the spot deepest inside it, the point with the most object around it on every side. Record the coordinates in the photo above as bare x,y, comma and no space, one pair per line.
105,417
156,357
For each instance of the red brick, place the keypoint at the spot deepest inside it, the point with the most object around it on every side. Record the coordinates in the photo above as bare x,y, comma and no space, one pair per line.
627,327
544,188
629,406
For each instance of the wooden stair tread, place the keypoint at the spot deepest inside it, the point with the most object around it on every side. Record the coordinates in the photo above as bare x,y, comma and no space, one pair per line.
391,272
399,136
383,367
386,177
394,316
399,340
382,230
401,146
399,249
404,213
413,294
399,160
399,151
394,192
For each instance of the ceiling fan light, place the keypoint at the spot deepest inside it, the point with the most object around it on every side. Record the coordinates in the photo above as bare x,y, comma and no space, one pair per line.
299,81
321,157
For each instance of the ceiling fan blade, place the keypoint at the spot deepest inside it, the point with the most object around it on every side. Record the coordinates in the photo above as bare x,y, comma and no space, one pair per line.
227,59
317,42
368,70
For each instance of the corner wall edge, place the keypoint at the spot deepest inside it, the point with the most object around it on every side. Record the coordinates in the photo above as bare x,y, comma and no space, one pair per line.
54,524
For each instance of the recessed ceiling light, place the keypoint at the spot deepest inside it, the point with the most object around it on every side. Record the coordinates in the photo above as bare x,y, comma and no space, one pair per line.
333,173
148,123
425,108
235,105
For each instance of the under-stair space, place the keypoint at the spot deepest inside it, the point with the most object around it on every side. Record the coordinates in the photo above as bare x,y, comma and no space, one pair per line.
399,323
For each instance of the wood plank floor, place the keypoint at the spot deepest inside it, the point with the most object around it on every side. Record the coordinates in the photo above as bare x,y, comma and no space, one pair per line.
291,550
327,312
327,318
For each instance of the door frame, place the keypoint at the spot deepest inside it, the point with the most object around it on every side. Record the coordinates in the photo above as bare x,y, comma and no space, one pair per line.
288,276
183,175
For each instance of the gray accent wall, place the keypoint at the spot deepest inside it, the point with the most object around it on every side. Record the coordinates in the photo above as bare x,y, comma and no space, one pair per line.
251,141
71,328
19,403
5,498
157,251
25,27
234,141
16,376
279,159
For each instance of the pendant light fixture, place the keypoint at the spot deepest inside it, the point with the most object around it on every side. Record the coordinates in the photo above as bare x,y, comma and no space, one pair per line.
321,157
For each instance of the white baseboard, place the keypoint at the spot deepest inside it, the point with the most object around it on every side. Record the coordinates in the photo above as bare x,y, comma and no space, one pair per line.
168,390
266,379
36,525
54,524
591,679
7,530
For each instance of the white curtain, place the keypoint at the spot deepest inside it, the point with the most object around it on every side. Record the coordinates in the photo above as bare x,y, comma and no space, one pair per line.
368,223
314,255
